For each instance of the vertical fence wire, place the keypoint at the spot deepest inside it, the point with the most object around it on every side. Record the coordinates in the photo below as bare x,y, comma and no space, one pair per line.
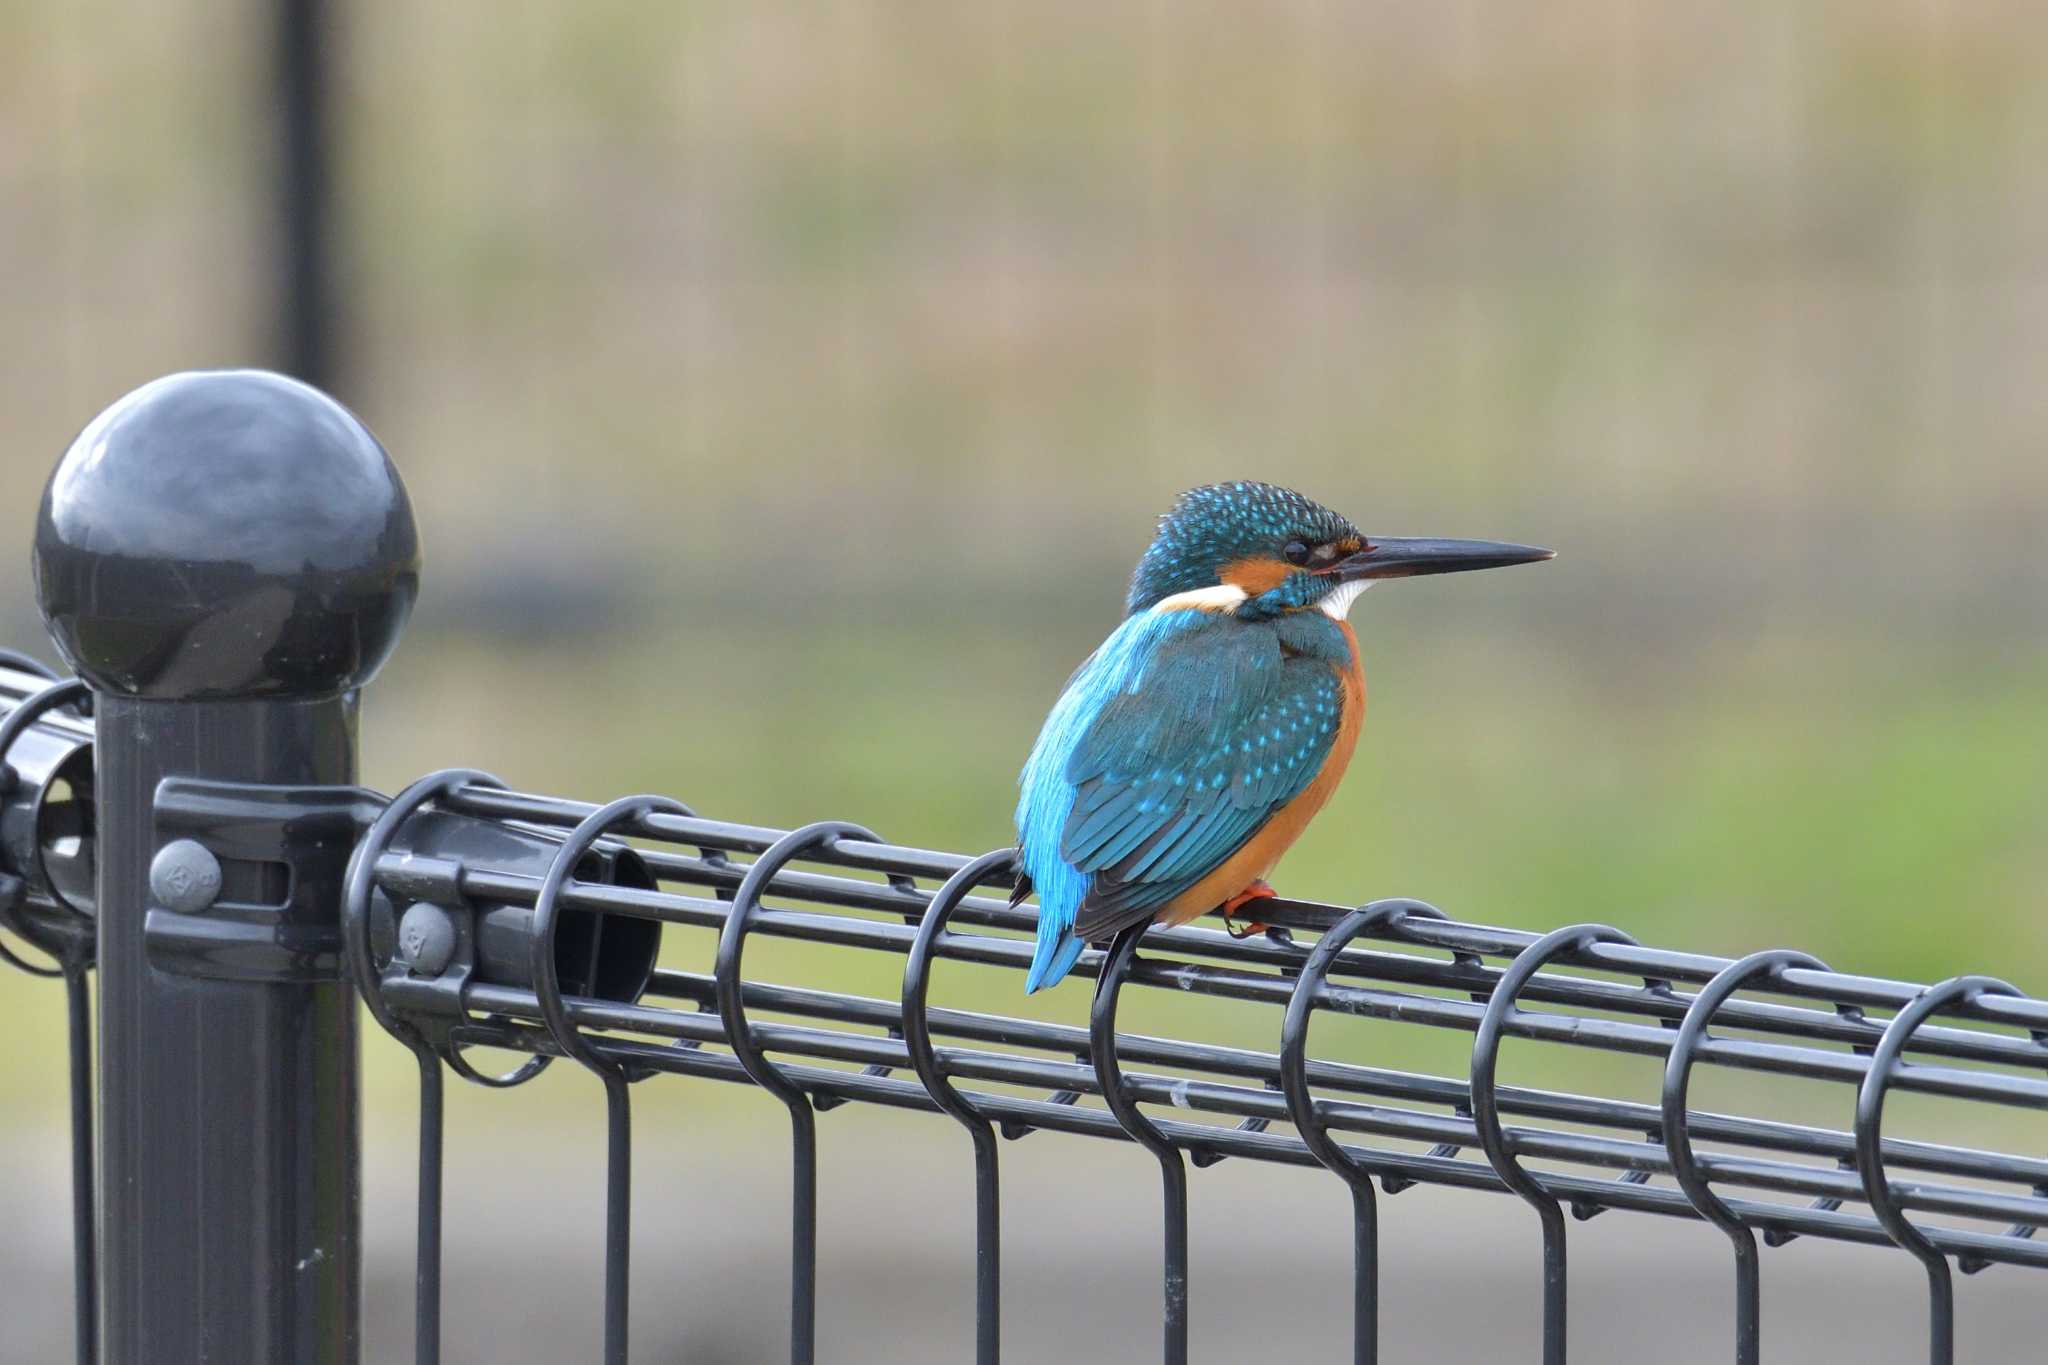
1173,1173
358,884
1885,1065
1381,917
803,1122
547,988
1685,1167
84,1223
1493,1138
917,1042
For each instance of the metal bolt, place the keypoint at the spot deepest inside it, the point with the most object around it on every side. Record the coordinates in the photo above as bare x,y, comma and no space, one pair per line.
184,876
426,939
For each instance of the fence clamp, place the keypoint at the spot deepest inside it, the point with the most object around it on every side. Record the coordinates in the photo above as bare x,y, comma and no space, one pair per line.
246,881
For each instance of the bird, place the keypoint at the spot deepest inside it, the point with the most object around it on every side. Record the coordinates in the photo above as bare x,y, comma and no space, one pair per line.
1193,747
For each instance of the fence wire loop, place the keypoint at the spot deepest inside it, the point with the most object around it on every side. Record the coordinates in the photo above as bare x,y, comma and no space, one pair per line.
803,1123
1379,917
917,974
547,989
71,692
1885,1065
1677,1136
358,885
547,980
27,663
917,1045
1493,1139
1109,1072
732,941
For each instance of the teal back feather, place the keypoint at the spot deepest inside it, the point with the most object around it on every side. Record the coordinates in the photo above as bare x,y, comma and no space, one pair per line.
1177,739
1046,798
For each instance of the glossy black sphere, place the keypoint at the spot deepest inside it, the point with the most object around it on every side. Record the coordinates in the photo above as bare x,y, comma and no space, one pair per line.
225,534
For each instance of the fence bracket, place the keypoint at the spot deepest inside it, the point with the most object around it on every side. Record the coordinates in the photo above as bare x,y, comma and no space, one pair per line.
261,869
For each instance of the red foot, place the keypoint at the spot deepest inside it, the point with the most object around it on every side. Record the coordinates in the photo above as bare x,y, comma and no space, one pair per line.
1256,891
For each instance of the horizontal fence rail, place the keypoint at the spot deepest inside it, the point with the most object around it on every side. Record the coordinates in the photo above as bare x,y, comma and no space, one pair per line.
1973,1040
474,916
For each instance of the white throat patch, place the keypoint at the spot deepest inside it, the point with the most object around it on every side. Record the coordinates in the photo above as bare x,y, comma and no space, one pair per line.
1215,597
1336,604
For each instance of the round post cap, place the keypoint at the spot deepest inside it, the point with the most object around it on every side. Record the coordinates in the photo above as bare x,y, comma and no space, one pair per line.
226,534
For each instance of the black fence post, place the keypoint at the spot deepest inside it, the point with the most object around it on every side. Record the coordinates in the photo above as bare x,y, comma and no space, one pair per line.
225,557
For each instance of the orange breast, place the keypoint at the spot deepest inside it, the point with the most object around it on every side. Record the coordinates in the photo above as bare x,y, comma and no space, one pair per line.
1260,852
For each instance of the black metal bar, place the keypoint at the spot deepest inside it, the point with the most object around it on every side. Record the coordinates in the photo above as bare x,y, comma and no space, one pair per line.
503,1032
1241,1101
1381,916
1173,1174
305,300
226,558
618,1101
1635,1118
426,1348
26,663
357,889
1885,1064
1389,983
1486,1116
803,1122
84,1251
1429,1090
1465,975
268,1259
1455,936
1685,1166
917,1044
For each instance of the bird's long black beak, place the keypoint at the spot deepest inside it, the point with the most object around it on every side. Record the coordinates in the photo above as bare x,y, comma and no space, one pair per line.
1396,557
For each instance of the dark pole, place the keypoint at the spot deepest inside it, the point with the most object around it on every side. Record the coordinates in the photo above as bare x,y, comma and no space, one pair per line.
225,557
305,300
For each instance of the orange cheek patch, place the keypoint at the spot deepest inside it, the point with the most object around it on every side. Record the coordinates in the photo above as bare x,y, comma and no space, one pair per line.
1256,575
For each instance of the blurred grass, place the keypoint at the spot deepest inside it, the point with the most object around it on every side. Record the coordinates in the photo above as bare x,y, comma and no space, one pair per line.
785,391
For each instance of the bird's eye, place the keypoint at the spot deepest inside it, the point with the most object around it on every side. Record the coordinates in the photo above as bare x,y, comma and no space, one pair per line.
1295,551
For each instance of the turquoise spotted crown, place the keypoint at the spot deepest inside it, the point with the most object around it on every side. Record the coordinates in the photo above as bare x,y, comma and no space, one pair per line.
1218,523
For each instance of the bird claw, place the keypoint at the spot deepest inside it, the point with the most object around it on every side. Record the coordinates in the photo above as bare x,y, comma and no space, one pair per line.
1256,891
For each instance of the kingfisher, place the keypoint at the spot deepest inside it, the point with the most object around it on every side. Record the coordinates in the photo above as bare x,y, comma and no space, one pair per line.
1193,747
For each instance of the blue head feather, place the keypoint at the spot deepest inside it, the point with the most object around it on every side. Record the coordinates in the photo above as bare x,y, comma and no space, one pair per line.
1220,523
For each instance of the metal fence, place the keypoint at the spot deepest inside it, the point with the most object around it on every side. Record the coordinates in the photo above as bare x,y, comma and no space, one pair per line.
210,855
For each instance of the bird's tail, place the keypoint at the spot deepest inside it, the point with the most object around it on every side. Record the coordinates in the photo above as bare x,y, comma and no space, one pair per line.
1059,947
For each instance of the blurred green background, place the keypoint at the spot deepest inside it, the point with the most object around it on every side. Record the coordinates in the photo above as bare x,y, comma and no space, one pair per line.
785,390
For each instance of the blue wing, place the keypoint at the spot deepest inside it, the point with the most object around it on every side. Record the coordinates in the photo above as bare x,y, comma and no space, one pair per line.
1171,746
